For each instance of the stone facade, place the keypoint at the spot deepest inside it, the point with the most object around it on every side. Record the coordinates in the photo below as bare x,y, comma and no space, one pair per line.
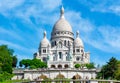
52,73
63,50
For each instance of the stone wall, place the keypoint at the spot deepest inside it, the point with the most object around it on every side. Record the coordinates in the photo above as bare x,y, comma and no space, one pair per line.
52,73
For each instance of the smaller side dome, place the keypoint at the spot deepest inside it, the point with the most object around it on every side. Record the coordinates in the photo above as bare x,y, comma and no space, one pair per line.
78,42
44,42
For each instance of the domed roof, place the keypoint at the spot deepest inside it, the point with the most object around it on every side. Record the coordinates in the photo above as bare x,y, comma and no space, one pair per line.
78,41
44,42
62,24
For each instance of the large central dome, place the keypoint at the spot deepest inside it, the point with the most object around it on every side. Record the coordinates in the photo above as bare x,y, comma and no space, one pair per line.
62,24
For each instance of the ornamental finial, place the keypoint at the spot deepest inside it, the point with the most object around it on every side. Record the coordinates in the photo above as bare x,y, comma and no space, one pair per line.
62,12
77,34
44,34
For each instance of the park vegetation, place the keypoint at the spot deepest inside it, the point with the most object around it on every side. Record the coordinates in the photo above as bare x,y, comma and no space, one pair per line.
111,70
88,65
7,62
32,64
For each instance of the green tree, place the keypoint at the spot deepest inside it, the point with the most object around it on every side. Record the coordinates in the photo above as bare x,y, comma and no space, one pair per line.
25,62
108,70
14,61
77,65
34,63
117,73
90,65
6,59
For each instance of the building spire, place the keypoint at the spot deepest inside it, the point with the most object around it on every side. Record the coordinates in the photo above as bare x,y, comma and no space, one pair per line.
44,34
62,12
77,34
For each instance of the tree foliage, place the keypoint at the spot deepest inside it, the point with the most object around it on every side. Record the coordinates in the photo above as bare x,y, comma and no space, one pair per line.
5,59
6,62
77,65
117,72
108,70
34,63
90,65
14,61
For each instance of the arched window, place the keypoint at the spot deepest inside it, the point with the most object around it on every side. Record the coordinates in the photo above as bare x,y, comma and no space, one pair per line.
81,50
60,44
52,44
52,66
44,59
59,66
77,58
44,50
66,66
77,50
60,55
55,42
65,42
68,43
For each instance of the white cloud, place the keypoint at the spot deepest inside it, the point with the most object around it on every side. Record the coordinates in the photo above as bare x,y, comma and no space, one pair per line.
40,10
104,6
78,23
10,33
17,46
111,36
9,5
107,41
115,9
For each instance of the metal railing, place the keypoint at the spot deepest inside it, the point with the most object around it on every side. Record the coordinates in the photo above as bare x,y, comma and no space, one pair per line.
75,81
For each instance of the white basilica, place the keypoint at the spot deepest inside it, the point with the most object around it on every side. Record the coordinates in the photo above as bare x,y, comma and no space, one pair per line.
63,50
61,53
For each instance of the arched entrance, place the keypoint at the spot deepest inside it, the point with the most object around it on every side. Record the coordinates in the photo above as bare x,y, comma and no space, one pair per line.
42,77
66,66
60,76
60,66
77,76
52,66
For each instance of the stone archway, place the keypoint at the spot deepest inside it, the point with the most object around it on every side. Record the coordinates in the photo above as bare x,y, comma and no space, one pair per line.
60,66
52,66
66,66
77,76
42,76
60,76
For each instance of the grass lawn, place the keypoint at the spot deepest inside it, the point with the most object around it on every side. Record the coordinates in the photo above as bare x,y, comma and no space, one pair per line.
13,81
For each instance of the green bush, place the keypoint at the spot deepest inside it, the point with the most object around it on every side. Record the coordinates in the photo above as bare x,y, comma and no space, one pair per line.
77,65
5,76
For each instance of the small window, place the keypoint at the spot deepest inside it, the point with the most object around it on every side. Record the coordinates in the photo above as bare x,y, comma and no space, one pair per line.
73,50
55,42
78,58
81,50
65,42
44,59
52,43
60,55
78,50
44,50
68,43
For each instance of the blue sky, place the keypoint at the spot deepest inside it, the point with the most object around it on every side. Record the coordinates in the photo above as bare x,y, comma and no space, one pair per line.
22,23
